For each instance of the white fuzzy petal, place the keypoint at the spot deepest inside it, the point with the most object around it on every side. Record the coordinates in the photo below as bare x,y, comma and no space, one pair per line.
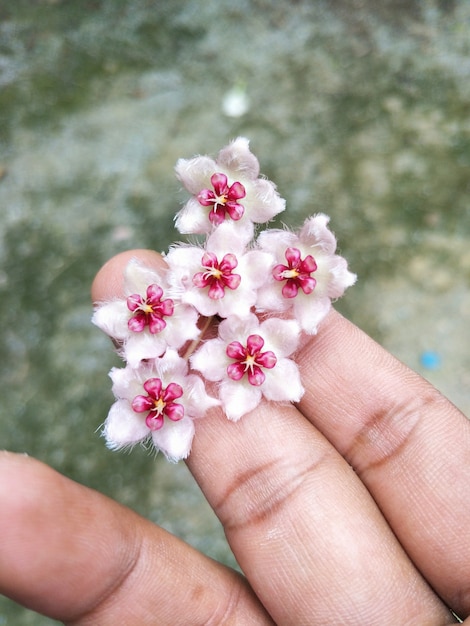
228,237
126,382
315,232
310,312
237,302
238,158
174,439
237,328
238,398
137,277
341,278
282,336
112,318
283,382
123,427
211,360
142,346
196,397
265,202
256,266
270,298
193,218
195,173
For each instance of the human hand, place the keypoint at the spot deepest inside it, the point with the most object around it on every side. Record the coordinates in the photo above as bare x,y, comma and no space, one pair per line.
351,508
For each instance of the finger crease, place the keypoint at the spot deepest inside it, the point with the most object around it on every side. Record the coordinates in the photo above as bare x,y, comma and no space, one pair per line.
388,432
256,495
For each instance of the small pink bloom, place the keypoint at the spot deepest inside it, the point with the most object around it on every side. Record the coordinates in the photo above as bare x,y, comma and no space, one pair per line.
157,401
223,199
144,322
313,275
249,360
217,276
220,184
221,279
297,273
149,311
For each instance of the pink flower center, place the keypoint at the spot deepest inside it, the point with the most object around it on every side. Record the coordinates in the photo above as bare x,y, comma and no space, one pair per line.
149,311
223,199
217,276
297,273
250,360
159,403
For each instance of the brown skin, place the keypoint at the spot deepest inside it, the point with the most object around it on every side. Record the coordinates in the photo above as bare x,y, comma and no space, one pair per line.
351,508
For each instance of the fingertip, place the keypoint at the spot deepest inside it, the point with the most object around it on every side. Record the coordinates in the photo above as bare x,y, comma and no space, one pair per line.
108,282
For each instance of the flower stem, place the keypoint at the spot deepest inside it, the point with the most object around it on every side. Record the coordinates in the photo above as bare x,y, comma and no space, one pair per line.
195,343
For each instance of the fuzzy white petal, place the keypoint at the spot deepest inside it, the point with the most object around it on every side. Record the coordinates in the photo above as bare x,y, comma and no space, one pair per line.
310,313
211,360
196,398
144,345
123,427
283,382
265,202
193,218
315,232
237,329
174,439
282,336
111,318
137,277
238,398
195,173
127,383
237,157
341,277
227,238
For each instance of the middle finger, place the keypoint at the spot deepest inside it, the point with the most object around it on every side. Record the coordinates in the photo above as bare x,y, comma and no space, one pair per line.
302,526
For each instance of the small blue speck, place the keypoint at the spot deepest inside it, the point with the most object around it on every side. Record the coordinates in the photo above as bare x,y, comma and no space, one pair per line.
430,360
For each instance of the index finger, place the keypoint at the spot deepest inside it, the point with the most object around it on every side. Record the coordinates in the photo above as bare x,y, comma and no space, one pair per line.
409,445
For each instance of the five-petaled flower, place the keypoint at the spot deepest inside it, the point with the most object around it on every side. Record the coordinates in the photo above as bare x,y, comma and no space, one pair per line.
223,199
217,276
221,279
310,251
250,360
219,184
257,349
297,273
149,310
145,406
159,403
144,322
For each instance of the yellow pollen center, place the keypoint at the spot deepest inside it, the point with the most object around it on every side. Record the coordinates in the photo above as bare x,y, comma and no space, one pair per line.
249,362
292,273
219,200
159,405
212,271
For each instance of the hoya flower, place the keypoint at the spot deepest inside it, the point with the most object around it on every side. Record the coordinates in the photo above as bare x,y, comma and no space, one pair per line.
157,401
221,279
146,321
249,360
227,189
306,275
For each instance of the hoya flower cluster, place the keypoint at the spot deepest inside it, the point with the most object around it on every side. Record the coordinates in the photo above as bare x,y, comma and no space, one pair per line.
260,289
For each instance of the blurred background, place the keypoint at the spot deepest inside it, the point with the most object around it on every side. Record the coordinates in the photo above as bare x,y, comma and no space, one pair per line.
357,108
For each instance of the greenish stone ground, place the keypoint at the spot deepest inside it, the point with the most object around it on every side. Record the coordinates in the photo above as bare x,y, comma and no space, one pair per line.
358,109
